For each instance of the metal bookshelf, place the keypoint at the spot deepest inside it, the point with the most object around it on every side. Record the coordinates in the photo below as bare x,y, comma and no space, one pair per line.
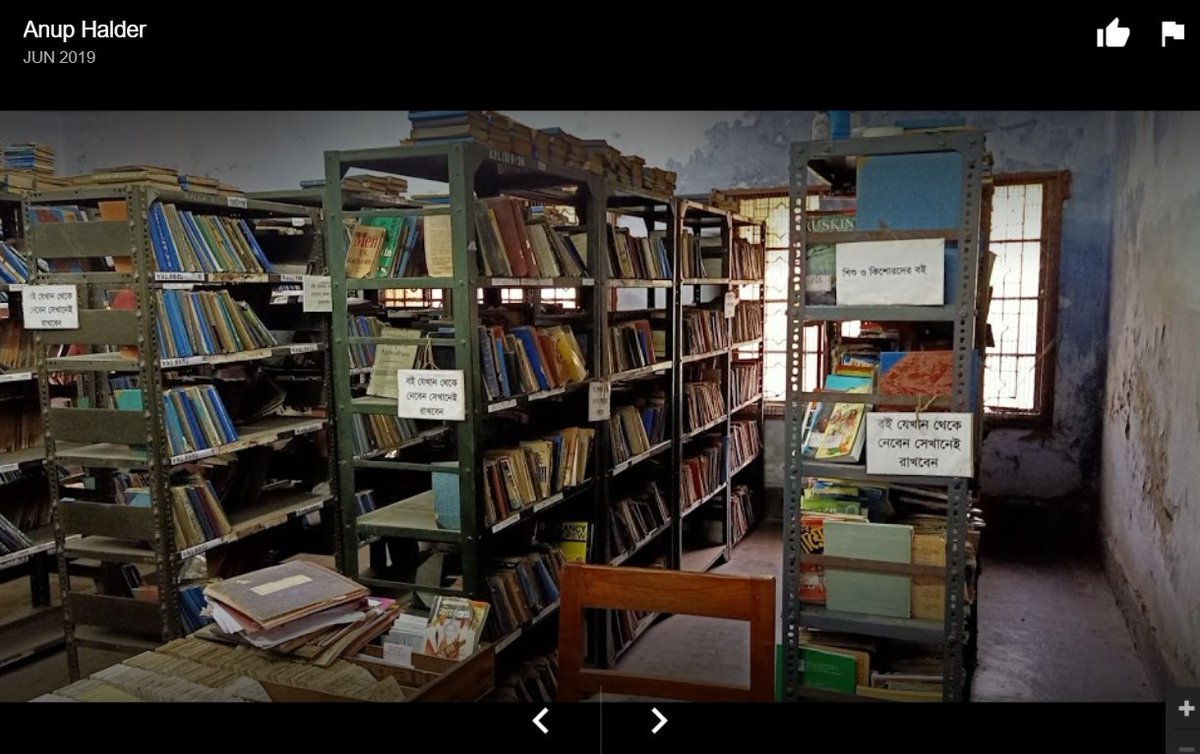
949,634
716,230
406,521
99,439
39,628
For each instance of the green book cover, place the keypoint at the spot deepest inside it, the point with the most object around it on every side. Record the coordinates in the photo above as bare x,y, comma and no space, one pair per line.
828,671
870,593
820,504
128,400
387,256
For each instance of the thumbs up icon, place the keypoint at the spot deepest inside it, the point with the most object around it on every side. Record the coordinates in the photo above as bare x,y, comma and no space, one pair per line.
1113,35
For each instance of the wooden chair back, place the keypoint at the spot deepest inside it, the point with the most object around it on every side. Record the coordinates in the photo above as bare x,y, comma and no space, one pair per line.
746,598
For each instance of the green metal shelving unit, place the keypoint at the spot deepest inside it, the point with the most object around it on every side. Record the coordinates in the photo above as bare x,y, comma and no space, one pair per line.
102,438
949,634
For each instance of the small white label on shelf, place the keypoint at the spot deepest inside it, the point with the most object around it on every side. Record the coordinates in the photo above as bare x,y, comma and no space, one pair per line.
431,394
195,455
547,502
196,277
291,277
547,394
544,282
51,307
818,283
236,201
318,293
929,444
7,467
16,376
17,287
599,400
179,286
731,302
501,406
299,222
881,273
305,429
506,523
587,281
505,281
397,654
303,347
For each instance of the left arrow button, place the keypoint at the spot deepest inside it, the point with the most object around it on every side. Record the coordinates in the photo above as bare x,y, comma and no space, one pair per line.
537,720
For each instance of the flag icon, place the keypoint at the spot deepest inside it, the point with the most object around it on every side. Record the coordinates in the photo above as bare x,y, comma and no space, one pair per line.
1171,30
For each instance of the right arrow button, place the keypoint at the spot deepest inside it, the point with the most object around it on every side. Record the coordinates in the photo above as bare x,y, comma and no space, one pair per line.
661,720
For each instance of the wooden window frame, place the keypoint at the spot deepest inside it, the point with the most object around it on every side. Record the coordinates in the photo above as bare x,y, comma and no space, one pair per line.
1056,189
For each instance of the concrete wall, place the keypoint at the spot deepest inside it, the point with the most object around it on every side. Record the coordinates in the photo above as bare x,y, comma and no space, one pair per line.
272,150
1150,506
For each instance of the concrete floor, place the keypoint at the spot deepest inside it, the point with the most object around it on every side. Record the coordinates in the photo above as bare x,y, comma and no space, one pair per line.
1049,631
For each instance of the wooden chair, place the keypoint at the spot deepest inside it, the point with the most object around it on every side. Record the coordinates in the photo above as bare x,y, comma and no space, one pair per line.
747,598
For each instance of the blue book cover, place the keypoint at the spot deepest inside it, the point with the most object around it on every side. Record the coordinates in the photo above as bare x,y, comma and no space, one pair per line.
178,330
176,439
207,526
208,261
171,252
546,581
221,415
157,244
505,387
416,116
205,328
529,339
573,251
254,247
191,424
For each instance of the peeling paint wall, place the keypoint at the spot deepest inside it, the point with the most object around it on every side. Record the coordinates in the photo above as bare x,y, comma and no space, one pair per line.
1150,504
272,150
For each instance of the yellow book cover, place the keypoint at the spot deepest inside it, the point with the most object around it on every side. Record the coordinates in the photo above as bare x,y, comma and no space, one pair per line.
366,241
573,541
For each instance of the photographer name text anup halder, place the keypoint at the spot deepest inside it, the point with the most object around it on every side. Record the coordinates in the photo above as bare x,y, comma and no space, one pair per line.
85,30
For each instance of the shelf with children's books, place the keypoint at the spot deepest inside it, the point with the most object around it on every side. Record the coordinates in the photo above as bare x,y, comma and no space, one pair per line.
921,528
179,316
488,264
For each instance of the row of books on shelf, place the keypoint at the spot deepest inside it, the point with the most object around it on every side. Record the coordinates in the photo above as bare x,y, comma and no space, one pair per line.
14,268
184,241
742,513
704,330
203,323
12,539
518,477
638,257
391,246
633,430
526,359
21,426
704,399
377,433
869,667
363,354
16,346
511,246
747,260
896,523
195,418
745,442
197,513
633,519
745,381
634,344
701,473
535,681
523,587
747,321
692,261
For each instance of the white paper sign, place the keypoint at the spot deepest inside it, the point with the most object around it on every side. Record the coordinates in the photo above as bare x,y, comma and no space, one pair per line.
934,444
599,400
318,293
51,307
398,654
236,201
431,394
891,272
730,304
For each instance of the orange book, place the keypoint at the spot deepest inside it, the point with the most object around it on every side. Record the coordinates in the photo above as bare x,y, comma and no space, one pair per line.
116,210
507,219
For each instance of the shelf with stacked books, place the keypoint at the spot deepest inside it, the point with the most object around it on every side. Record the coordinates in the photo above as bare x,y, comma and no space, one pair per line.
720,277
28,549
184,435
880,481
504,265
